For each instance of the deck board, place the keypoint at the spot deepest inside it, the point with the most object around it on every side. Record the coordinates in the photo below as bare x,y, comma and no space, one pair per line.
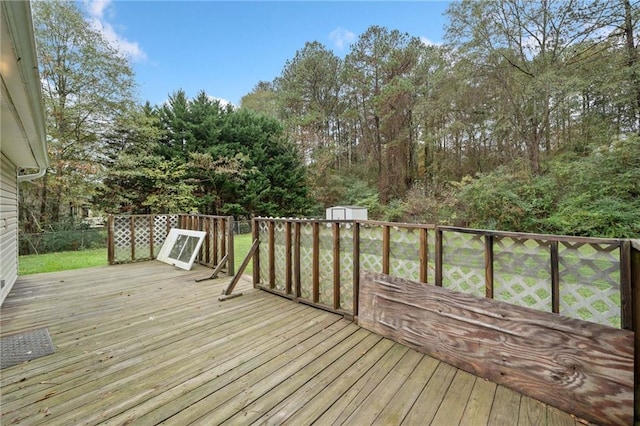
145,344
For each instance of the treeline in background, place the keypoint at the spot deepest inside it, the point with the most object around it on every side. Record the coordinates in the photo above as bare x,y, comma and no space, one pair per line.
526,119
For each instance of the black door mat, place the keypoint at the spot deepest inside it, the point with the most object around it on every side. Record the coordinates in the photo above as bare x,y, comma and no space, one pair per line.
27,346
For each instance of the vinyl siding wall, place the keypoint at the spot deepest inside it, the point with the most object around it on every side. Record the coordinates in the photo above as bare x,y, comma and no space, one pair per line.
8,226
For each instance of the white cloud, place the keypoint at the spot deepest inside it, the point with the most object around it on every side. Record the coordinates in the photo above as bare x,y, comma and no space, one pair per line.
223,102
97,7
428,42
341,38
98,22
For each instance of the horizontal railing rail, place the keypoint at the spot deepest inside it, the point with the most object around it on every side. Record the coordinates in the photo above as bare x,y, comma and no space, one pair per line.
134,238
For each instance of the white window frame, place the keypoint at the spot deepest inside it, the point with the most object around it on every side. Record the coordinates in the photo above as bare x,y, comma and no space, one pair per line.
175,254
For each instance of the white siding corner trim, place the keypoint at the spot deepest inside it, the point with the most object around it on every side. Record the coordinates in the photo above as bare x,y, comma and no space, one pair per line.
8,226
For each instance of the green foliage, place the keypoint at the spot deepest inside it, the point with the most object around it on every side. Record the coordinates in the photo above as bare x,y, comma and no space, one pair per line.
263,99
86,86
62,236
195,155
594,195
139,180
600,192
493,201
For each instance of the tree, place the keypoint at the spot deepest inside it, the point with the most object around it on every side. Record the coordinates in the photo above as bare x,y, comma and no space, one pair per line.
308,97
139,179
536,62
274,181
380,86
86,85
263,99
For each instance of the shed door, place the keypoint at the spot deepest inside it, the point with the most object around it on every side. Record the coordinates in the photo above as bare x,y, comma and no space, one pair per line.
338,214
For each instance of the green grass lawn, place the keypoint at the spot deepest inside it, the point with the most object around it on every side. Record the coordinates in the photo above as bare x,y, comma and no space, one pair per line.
66,260
242,245
62,261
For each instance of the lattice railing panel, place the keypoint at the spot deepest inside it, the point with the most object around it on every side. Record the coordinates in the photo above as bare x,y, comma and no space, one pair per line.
590,282
522,272
346,266
160,231
280,256
263,230
122,238
589,272
371,248
142,237
404,253
207,251
306,260
326,264
463,263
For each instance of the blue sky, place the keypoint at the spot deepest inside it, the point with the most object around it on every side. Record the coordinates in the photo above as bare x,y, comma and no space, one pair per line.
225,48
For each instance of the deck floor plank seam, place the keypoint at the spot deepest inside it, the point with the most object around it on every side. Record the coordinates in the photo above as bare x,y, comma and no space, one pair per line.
183,403
175,361
143,343
16,375
427,404
222,365
119,356
297,399
342,408
398,408
278,385
312,410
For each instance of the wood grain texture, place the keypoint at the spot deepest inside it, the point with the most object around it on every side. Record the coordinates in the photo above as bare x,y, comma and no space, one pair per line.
479,405
579,367
143,343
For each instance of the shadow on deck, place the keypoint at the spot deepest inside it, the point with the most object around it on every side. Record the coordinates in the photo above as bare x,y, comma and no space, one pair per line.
143,343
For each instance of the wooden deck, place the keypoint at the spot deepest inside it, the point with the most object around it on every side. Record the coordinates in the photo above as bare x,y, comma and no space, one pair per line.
145,344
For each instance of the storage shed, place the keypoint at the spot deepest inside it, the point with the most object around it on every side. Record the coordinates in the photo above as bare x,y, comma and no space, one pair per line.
347,213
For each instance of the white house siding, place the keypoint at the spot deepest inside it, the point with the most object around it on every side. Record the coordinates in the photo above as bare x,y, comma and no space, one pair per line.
8,226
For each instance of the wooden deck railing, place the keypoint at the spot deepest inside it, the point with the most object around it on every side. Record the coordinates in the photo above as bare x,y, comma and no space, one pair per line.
319,262
133,238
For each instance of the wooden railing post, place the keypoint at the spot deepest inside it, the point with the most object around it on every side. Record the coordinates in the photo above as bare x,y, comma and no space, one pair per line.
634,279
315,256
424,256
626,310
255,231
231,268
438,257
272,255
214,249
336,265
151,220
356,268
111,255
207,242
488,266
555,277
296,260
132,233
287,258
386,248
